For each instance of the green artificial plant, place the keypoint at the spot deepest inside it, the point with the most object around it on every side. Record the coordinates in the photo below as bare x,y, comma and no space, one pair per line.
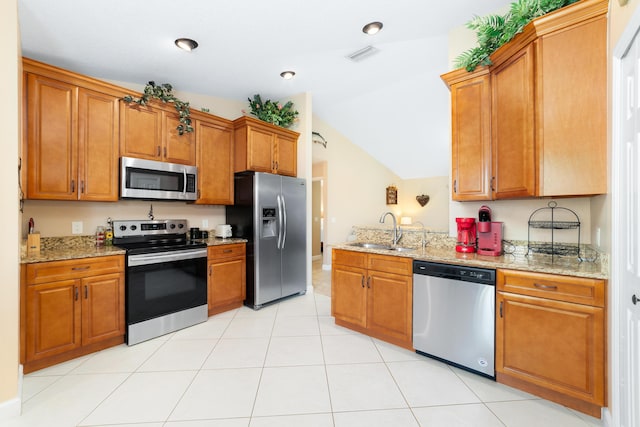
164,93
273,112
492,31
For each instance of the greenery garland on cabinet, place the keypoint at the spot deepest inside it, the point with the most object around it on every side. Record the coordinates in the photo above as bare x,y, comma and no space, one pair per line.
164,93
493,31
273,112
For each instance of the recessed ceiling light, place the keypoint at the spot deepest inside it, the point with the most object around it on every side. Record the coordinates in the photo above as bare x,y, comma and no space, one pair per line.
372,28
287,75
186,44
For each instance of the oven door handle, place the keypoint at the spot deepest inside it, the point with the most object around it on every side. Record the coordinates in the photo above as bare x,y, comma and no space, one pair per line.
157,258
184,181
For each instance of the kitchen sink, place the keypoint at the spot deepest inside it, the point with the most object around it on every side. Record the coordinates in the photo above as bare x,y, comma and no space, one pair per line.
370,245
381,247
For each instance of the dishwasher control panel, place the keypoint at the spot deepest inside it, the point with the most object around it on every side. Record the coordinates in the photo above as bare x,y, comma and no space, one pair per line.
456,272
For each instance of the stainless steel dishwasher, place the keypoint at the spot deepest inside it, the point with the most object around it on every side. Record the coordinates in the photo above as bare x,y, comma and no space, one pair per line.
454,315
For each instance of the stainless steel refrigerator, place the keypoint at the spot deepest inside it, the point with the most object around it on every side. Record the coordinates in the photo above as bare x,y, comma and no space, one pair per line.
270,212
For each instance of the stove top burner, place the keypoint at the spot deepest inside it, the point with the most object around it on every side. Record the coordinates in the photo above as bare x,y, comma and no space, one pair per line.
150,236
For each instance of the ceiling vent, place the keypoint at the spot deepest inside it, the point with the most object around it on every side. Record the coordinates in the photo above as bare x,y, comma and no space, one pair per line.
363,53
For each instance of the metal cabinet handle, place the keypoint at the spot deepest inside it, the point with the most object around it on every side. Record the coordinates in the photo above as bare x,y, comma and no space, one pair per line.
165,151
86,292
369,282
493,181
73,185
75,288
86,267
227,251
362,281
501,302
210,270
455,185
277,164
635,299
82,186
547,287
158,151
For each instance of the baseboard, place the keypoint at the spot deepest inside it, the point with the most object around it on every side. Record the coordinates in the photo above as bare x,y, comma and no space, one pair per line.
326,267
607,419
13,407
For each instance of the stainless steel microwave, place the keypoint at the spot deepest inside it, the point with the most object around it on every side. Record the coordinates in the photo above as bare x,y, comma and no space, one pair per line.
148,179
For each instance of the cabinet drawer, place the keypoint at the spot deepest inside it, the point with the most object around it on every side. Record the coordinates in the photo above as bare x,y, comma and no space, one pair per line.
71,269
351,258
226,251
562,288
390,264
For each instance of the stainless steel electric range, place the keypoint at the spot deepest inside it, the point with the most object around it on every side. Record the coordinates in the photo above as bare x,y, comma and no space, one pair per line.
166,277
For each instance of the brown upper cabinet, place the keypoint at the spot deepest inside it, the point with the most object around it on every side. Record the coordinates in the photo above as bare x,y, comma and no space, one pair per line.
71,137
150,132
214,158
533,124
263,147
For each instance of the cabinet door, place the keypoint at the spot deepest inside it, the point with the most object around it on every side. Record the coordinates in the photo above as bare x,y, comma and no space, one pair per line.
98,146
226,283
471,139
287,155
215,163
177,148
555,345
389,306
53,319
348,295
102,308
260,144
140,132
51,139
512,125
572,110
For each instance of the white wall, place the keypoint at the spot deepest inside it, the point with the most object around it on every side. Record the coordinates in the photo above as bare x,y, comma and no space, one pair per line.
355,186
9,214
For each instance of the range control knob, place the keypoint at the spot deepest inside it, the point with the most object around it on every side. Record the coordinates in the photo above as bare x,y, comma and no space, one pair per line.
133,227
172,226
180,225
123,227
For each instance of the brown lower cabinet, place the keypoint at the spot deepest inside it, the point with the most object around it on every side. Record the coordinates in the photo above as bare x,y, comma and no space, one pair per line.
70,308
550,337
227,277
373,294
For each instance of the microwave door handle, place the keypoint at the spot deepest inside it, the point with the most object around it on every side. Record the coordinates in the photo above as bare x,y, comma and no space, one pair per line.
284,221
184,181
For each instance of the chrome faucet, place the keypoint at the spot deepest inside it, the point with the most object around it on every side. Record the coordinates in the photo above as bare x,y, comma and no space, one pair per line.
397,232
423,241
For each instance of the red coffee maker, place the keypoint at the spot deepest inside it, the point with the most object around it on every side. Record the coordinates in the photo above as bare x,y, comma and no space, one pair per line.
489,234
466,235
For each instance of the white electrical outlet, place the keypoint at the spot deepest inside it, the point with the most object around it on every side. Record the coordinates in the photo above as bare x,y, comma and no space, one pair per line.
598,237
205,223
76,227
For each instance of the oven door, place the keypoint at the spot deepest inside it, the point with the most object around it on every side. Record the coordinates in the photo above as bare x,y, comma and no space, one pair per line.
159,284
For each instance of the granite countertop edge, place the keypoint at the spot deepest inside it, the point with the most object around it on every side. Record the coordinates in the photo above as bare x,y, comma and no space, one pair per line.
568,266
68,253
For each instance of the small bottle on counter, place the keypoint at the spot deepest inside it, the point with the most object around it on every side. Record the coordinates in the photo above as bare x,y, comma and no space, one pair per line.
108,236
100,232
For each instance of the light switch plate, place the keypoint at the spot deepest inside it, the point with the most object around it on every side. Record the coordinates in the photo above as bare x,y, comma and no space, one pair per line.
205,223
76,227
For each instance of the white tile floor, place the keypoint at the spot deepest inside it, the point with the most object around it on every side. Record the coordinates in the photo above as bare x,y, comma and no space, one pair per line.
285,365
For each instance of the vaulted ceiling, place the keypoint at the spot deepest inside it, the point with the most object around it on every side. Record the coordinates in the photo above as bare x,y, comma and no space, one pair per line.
392,104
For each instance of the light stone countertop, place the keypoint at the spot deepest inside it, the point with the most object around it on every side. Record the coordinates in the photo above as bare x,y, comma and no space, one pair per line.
76,247
440,247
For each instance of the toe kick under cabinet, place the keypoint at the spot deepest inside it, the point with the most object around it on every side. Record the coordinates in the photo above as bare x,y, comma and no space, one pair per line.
70,308
373,294
550,337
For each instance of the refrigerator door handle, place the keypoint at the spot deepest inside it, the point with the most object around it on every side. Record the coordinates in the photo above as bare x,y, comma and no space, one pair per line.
284,222
279,213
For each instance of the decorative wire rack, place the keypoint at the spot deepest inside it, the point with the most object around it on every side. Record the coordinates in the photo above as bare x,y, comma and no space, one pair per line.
554,218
